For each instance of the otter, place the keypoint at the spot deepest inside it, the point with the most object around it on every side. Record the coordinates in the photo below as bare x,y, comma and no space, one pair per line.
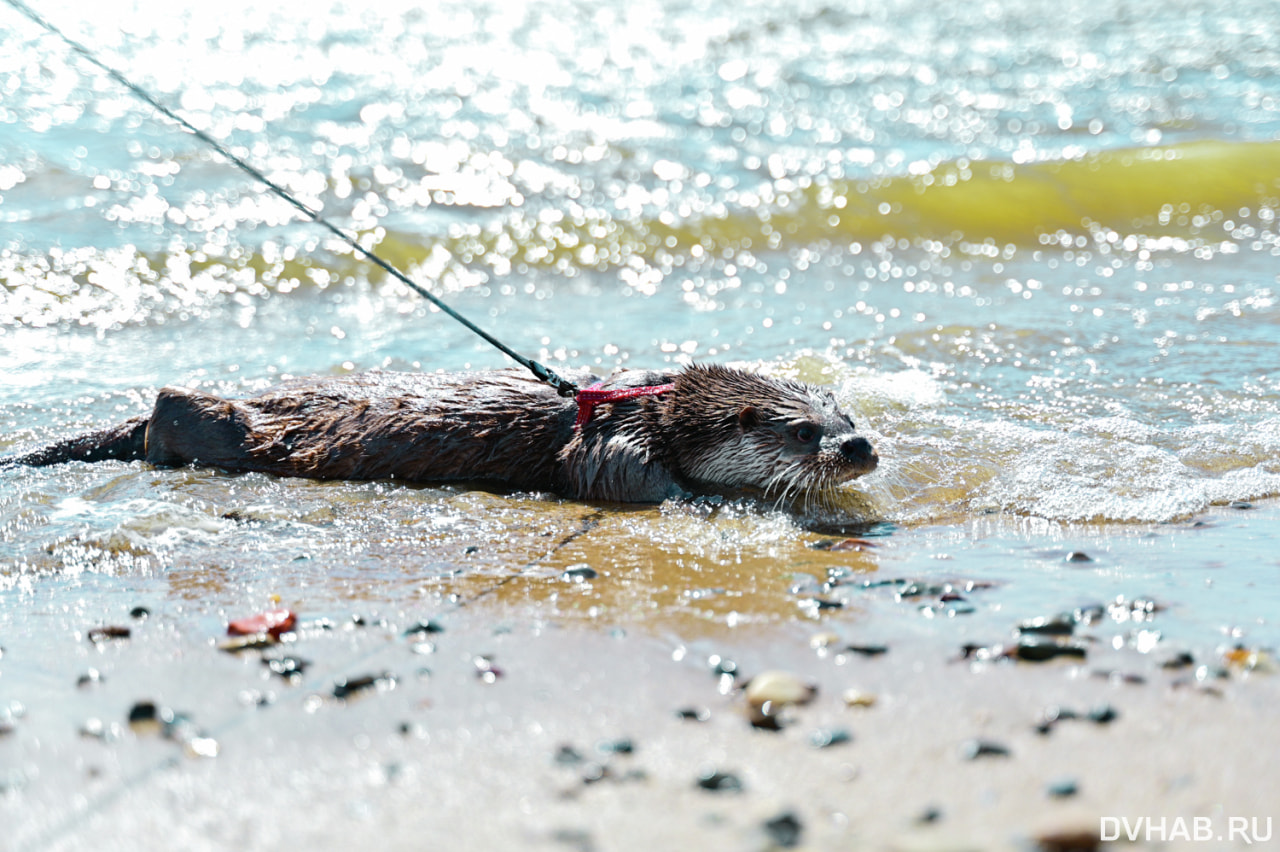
701,429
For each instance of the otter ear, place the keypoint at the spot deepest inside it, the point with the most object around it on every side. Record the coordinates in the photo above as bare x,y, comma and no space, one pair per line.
749,417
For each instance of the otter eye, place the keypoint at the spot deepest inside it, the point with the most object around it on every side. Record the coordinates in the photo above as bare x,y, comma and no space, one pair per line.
804,433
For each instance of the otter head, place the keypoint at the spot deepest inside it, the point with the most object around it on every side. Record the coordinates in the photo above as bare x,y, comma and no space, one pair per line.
736,429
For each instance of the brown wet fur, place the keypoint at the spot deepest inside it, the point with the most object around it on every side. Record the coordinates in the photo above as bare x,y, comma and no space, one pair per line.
719,428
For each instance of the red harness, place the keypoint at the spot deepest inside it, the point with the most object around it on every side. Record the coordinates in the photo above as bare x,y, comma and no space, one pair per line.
589,398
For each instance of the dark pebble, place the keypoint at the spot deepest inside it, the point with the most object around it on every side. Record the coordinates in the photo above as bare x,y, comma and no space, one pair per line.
867,650
693,714
1181,660
1063,624
567,755
89,678
1062,788
143,711
6,729
1079,840
1038,651
580,574
623,746
430,626
139,612
1103,715
1079,556
1241,504
102,634
721,667
784,830
828,737
289,668
975,749
720,782
930,815
348,687
820,604
594,772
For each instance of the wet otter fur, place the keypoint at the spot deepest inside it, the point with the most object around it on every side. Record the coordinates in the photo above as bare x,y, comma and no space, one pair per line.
717,428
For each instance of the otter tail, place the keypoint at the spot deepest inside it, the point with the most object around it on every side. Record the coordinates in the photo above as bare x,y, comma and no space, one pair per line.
124,442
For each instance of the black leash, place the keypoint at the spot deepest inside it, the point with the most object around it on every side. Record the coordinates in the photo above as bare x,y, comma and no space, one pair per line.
563,386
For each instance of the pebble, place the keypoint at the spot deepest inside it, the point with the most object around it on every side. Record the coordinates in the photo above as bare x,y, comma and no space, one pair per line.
274,622
1063,624
693,714
828,737
779,687
289,668
348,687
784,830
103,634
579,574
975,749
89,678
720,782
1068,840
1062,788
1103,714
866,650
1079,556
428,627
139,612
1039,650
857,698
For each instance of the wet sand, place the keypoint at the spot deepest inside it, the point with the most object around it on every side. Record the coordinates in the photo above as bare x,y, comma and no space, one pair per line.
545,711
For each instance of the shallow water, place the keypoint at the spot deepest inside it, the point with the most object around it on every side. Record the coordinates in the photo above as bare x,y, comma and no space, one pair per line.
1031,246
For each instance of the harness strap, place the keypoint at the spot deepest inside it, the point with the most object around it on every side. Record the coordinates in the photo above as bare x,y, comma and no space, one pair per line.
589,398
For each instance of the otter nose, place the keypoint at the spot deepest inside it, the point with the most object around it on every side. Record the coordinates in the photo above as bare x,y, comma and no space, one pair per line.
859,451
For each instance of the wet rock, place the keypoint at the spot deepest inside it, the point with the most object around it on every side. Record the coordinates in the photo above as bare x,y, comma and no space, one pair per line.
289,668
6,728
857,698
486,670
1039,650
429,627
579,574
567,755
346,688
1062,788
98,635
719,782
828,737
1063,624
1079,557
1241,504
1119,677
89,678
1103,714
816,605
769,693
139,612
975,749
1180,660
144,714
1083,839
236,644
693,714
273,623
784,831
929,815
866,650
622,746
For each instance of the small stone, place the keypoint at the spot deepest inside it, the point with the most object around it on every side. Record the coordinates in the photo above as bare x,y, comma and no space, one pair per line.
779,688
693,714
1063,624
784,830
623,746
350,687
857,698
866,650
1068,840
236,644
274,623
1241,504
99,635
720,782
567,755
422,628
975,749
1038,650
1079,556
1103,714
139,612
828,737
89,678
1181,660
579,574
289,668
1062,788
